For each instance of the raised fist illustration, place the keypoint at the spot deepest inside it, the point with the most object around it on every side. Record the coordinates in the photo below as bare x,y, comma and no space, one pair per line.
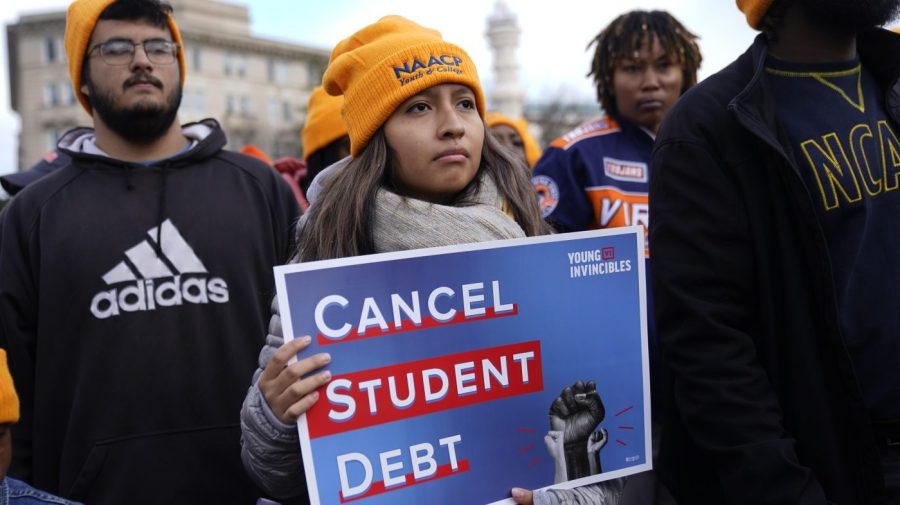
577,412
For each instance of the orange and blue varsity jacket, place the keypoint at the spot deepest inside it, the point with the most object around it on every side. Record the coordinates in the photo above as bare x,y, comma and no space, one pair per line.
596,176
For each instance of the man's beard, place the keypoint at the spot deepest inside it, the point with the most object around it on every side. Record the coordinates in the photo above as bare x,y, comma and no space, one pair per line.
141,124
850,17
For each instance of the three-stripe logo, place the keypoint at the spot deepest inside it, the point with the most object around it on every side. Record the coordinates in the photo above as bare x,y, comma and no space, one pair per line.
163,274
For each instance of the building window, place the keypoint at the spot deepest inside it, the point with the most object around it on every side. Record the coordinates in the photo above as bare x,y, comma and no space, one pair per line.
200,101
58,94
241,65
51,95
53,135
314,71
228,64
68,93
301,76
280,72
229,105
235,65
51,50
286,111
286,143
194,102
196,59
273,109
239,139
277,71
245,105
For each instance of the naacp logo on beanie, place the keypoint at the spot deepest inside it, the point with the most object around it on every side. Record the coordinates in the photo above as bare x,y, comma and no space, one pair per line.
442,63
383,64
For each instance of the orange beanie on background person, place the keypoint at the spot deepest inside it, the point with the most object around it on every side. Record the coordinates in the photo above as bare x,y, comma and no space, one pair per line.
754,10
256,152
514,133
14,491
9,400
325,139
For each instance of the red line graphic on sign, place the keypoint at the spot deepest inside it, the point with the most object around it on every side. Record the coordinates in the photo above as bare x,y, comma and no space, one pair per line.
378,487
427,323
626,409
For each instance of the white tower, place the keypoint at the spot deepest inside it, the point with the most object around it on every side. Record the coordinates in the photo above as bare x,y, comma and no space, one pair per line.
503,36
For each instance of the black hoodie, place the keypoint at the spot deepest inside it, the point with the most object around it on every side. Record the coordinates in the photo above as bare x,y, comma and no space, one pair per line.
133,302
765,407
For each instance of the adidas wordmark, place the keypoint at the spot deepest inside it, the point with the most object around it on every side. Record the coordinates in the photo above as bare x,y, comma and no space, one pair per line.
146,280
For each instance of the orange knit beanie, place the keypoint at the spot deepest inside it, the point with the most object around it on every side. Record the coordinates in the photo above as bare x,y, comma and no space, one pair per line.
256,152
754,10
80,22
532,149
9,401
323,121
383,64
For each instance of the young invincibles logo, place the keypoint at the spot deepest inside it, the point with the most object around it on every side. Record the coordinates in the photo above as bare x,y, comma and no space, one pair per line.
158,275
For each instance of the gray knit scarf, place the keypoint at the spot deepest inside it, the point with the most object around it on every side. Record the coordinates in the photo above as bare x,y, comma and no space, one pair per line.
403,223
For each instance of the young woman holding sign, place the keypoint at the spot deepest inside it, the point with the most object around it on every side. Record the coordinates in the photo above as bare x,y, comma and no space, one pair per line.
422,173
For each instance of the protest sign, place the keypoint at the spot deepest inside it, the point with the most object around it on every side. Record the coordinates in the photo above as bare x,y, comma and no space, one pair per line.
450,364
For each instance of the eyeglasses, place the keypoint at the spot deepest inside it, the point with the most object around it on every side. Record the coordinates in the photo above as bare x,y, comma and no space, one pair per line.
121,51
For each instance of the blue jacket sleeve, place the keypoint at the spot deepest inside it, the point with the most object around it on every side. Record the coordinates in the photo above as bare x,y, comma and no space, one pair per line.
559,179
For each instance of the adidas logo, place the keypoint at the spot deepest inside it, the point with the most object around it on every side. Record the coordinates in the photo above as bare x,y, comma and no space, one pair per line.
186,279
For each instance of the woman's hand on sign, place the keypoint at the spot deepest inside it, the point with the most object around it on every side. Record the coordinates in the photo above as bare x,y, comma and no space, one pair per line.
522,496
291,390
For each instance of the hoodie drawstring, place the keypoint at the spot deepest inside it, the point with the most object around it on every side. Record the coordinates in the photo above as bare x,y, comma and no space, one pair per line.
161,210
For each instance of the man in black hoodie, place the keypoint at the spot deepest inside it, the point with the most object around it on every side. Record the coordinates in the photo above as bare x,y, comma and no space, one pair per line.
774,209
135,280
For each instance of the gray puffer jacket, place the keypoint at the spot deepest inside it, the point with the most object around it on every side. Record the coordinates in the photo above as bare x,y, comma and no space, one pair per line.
270,449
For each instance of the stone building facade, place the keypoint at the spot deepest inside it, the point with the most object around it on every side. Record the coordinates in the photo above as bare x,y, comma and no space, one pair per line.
257,88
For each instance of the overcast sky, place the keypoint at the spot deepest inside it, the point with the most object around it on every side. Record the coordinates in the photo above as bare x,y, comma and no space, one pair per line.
551,52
